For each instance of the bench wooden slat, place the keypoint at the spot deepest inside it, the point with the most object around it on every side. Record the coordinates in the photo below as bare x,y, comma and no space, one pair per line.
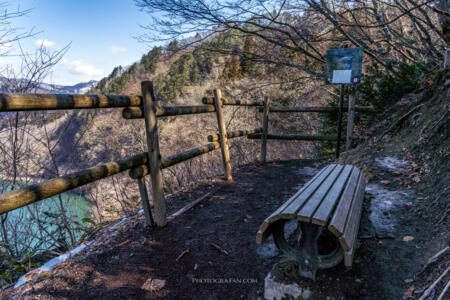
291,211
305,213
347,240
263,231
262,235
324,211
348,258
337,223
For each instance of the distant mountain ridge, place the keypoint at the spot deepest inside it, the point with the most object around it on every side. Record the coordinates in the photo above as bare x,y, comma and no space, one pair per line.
79,88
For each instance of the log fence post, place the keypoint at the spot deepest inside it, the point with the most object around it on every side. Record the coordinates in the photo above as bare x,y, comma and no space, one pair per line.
145,201
223,134
265,127
350,121
154,156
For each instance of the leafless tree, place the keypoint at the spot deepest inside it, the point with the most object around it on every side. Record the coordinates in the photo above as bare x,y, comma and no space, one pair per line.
33,69
28,230
442,8
8,32
389,31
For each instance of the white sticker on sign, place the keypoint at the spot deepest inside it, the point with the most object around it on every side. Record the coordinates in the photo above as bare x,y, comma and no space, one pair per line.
342,76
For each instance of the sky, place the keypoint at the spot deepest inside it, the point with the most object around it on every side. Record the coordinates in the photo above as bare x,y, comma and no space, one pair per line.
101,34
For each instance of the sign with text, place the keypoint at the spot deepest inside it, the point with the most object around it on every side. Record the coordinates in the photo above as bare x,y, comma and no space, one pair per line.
344,66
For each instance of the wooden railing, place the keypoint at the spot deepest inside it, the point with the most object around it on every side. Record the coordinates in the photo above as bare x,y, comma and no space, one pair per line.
148,163
139,165
264,136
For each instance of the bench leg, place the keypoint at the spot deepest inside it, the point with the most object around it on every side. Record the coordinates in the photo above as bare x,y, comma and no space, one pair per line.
307,255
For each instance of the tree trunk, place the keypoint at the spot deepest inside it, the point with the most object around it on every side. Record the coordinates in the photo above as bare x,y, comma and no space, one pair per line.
443,11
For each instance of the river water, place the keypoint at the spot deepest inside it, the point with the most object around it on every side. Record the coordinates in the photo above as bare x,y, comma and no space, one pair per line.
27,234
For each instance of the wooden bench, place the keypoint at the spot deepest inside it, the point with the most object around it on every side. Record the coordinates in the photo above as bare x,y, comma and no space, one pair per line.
328,211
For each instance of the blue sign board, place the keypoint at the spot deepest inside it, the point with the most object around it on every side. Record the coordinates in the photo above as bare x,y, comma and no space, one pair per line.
344,66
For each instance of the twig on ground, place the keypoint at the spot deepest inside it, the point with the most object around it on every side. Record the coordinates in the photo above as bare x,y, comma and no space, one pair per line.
428,290
443,216
220,249
437,255
399,120
191,205
123,243
182,254
439,121
434,258
441,296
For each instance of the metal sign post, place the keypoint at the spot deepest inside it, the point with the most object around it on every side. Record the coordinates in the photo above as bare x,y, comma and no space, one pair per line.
344,66
339,125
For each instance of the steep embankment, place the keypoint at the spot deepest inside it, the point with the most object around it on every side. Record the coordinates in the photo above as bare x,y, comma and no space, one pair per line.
407,163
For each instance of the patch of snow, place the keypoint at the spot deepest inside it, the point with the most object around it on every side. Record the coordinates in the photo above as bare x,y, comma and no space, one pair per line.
118,223
307,171
383,206
22,280
393,164
278,290
268,249
48,266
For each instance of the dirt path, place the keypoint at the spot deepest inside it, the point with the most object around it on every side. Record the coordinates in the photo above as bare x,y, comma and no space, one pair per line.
123,258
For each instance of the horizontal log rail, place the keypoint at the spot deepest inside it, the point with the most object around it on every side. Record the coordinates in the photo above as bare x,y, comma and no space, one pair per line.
18,198
138,113
320,109
139,165
298,137
210,100
179,157
143,170
234,134
30,102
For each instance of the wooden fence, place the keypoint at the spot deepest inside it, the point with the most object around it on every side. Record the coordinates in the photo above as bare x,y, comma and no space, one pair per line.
148,163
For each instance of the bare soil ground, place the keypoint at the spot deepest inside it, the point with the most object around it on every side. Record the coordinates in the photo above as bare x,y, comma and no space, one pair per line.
221,259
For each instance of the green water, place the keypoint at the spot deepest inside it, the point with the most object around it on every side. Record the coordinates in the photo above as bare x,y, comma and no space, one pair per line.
25,233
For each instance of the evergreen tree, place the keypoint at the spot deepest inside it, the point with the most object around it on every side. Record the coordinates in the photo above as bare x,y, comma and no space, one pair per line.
247,56
232,69
173,47
150,60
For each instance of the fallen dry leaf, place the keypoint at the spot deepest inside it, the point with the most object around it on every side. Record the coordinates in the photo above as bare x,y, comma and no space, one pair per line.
408,293
153,284
407,238
385,181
